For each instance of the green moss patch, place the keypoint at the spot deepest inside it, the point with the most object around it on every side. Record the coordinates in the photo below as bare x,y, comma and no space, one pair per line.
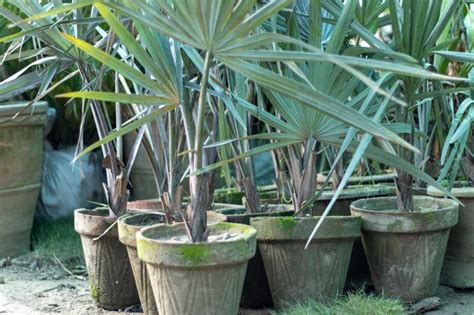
287,223
195,253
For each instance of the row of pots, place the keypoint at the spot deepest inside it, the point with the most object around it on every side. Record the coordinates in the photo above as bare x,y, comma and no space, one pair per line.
405,252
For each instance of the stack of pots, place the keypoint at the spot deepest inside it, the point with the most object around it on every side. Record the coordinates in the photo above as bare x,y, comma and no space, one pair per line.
156,259
21,155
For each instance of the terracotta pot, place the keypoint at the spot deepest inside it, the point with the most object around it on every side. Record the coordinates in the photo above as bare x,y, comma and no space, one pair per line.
358,274
256,292
296,274
458,267
21,155
405,250
110,275
196,278
128,227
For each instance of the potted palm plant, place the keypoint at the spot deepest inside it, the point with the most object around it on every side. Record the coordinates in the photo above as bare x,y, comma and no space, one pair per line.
457,162
299,132
405,237
110,275
165,249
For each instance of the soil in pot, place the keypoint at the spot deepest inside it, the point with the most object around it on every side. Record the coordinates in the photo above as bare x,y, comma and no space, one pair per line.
197,278
295,274
128,226
110,275
458,267
154,205
405,250
256,292
21,155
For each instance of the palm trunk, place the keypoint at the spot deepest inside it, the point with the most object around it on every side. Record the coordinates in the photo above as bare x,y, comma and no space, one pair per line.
197,210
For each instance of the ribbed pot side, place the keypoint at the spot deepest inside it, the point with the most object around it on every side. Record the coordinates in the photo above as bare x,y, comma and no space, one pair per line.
110,275
256,292
405,250
196,278
295,274
458,266
21,156
128,226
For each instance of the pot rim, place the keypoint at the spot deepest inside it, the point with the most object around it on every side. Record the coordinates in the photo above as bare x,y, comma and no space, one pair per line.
354,205
300,228
127,231
93,222
12,108
406,221
164,252
459,192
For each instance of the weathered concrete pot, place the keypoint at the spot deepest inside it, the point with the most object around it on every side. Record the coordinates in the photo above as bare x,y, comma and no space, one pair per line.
128,226
21,155
256,292
110,275
405,250
458,267
358,274
144,214
196,278
296,274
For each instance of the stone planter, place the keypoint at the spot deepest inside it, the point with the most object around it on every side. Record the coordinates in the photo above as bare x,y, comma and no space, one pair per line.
458,267
197,278
358,274
295,274
405,250
21,156
110,275
256,292
128,226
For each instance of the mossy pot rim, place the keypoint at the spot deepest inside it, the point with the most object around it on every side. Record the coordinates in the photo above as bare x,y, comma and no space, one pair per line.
276,210
359,191
375,218
299,228
12,108
155,246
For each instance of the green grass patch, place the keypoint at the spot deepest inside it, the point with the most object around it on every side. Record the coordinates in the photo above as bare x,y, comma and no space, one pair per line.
56,238
357,303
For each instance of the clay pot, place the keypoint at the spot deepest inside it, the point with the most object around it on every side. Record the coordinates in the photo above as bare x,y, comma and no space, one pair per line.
21,155
405,250
197,278
458,266
256,292
128,226
296,274
110,275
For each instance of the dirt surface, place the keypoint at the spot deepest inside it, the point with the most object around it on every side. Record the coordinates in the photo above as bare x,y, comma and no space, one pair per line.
30,285
454,302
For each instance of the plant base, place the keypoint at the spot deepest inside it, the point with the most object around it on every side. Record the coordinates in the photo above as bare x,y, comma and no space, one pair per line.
196,278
